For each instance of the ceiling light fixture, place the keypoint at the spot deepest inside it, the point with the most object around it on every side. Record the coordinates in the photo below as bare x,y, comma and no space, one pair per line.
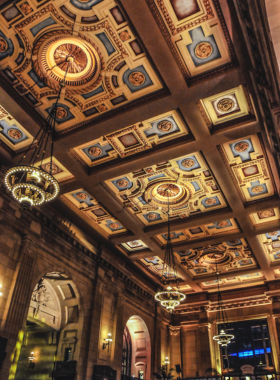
169,298
223,338
31,185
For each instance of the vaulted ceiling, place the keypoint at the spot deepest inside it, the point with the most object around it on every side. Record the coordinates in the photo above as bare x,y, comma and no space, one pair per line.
158,95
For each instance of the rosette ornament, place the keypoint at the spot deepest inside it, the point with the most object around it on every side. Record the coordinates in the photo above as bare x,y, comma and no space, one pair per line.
31,185
169,297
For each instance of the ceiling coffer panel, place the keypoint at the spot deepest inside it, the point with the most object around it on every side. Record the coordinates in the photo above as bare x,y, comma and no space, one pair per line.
196,34
107,65
185,182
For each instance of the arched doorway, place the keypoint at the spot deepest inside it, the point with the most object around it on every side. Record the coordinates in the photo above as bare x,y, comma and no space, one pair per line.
51,334
136,358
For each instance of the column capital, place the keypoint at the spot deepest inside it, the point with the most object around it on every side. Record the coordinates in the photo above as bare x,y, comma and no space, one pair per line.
174,330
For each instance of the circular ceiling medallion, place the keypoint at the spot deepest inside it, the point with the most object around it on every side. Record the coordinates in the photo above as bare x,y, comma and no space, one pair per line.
122,183
124,36
61,113
152,216
203,50
225,105
257,189
274,233
237,241
242,146
114,226
134,243
211,201
188,163
102,108
216,255
26,8
95,151
161,194
168,190
224,223
3,45
136,78
81,196
266,214
70,56
15,133
55,168
165,125
58,50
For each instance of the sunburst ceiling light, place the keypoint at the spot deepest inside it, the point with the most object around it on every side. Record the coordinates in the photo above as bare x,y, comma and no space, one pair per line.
169,297
223,338
31,185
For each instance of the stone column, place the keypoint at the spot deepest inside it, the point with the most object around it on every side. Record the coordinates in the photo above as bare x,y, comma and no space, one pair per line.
94,334
156,354
214,349
273,322
196,345
117,335
175,347
17,308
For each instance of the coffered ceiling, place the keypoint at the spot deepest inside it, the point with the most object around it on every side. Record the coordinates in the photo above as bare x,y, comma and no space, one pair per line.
158,95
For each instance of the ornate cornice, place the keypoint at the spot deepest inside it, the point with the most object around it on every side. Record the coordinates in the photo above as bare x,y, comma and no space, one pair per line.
51,228
264,70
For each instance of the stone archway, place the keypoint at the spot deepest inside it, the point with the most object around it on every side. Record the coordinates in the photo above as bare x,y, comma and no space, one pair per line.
140,362
52,330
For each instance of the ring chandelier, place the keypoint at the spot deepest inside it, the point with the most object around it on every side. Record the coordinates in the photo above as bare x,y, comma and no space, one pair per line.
169,297
29,184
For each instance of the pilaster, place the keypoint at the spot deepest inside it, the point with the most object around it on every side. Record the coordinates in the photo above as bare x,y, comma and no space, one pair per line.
17,307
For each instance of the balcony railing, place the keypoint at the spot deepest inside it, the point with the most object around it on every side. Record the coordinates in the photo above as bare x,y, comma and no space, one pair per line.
255,376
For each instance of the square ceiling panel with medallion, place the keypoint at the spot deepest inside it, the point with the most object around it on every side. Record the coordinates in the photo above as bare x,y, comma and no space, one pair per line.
152,134
89,44
13,135
186,183
197,35
231,256
93,212
248,165
228,226
229,108
271,245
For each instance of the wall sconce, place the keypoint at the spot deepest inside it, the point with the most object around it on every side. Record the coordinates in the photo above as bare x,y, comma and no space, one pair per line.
1,294
31,360
166,362
108,340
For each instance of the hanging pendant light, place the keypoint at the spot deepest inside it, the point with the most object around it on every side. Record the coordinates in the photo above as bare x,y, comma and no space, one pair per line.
169,297
223,338
31,185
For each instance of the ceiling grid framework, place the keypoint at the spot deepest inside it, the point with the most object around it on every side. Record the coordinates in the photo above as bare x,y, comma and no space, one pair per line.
193,119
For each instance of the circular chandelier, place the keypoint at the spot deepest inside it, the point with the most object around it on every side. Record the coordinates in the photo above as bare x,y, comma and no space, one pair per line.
29,184
169,297
223,338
